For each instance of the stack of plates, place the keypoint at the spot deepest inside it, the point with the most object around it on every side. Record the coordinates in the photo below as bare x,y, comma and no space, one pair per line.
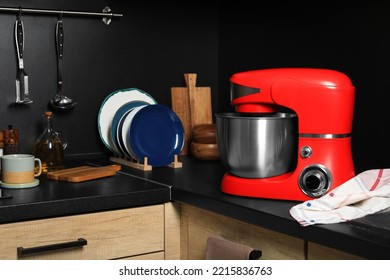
133,125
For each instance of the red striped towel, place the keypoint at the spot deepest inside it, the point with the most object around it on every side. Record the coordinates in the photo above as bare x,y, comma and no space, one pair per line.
366,193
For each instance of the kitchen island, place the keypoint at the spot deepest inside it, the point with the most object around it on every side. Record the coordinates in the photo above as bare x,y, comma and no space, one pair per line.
196,184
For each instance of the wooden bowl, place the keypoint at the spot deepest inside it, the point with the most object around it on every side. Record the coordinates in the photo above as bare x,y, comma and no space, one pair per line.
204,134
204,151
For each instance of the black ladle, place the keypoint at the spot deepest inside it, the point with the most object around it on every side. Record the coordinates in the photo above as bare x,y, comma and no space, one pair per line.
60,102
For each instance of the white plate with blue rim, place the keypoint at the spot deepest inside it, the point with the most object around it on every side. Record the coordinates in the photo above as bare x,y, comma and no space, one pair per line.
123,131
120,113
110,105
121,143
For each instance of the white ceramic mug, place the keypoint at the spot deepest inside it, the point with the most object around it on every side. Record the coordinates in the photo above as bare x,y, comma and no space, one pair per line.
20,168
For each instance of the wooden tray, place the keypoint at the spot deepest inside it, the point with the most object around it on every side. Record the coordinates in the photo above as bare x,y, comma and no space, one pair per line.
83,173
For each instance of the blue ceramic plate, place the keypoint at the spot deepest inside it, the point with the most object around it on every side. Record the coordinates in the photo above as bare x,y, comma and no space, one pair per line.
118,116
157,133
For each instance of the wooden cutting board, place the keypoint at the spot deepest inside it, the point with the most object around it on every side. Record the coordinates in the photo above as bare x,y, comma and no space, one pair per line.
192,104
83,173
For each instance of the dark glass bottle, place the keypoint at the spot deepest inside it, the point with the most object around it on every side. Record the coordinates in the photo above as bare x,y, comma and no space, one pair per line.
49,147
11,141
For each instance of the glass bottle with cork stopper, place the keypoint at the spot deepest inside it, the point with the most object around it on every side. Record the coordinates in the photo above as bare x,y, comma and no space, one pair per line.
50,145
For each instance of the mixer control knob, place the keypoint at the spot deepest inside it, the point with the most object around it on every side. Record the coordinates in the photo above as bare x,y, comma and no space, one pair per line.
315,180
306,151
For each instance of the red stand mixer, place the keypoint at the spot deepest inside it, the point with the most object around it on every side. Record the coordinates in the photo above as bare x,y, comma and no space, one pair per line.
321,100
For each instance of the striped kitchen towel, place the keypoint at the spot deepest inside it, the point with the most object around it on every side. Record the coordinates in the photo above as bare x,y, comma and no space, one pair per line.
366,193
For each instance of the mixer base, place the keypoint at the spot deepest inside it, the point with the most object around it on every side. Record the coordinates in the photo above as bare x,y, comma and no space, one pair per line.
283,187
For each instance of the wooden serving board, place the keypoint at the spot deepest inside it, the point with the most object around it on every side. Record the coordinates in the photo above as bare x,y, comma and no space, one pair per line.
192,104
83,173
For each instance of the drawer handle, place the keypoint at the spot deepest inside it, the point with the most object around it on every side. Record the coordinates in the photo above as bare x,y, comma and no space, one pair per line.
22,252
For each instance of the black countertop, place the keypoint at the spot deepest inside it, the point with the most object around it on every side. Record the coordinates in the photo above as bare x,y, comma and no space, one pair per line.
56,198
197,183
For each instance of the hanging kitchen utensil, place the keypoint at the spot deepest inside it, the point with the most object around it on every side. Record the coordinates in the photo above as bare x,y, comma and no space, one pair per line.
60,102
22,90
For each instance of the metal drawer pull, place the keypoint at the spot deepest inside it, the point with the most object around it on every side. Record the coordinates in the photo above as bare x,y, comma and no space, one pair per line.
22,252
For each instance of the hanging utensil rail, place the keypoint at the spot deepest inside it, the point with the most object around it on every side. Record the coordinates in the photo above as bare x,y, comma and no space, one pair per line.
106,14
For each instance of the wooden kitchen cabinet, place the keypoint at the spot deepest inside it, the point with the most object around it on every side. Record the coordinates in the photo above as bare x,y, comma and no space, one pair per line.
148,232
319,252
198,224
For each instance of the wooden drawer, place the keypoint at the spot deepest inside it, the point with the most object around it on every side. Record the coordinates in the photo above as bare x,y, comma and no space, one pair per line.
319,252
109,235
198,224
147,257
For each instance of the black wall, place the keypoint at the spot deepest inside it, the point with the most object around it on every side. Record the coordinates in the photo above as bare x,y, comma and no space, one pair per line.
155,43
150,48
354,40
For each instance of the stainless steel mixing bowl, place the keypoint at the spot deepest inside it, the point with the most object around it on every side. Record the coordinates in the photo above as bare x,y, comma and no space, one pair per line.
257,145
